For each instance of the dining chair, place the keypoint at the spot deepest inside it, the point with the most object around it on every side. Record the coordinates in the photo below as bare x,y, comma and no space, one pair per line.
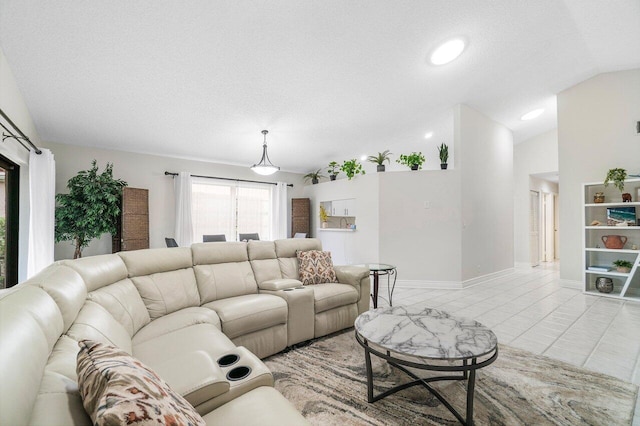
247,237
170,242
300,235
214,237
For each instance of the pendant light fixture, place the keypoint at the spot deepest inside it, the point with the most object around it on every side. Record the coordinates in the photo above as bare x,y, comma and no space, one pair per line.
265,166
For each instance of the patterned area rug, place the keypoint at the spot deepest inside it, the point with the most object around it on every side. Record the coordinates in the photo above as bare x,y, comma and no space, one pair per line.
326,381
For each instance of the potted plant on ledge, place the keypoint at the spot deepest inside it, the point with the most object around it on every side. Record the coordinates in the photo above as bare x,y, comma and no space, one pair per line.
617,177
623,266
380,159
324,217
333,168
414,161
314,177
443,152
352,168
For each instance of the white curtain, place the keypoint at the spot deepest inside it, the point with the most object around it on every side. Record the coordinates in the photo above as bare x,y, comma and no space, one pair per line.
184,222
279,214
42,204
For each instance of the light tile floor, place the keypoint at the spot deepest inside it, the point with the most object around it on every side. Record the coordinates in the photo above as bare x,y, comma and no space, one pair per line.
529,309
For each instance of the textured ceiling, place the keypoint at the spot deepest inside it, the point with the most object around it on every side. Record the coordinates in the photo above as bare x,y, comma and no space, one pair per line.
329,79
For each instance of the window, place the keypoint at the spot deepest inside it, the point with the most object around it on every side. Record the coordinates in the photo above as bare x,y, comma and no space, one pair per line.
221,207
9,213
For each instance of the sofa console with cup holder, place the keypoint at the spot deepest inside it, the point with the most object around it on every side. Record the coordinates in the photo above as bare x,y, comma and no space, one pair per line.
200,318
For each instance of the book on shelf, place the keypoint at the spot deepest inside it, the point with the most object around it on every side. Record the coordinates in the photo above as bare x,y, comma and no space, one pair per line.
599,268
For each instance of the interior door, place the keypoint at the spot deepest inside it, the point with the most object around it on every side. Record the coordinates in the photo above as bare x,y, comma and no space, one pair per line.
534,228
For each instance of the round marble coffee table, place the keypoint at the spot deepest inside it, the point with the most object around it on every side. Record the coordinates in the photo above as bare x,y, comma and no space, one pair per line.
426,339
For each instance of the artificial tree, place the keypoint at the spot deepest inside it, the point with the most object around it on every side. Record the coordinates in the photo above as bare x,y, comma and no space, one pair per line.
90,209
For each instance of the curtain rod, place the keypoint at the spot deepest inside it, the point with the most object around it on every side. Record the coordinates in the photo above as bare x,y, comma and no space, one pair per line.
223,178
20,138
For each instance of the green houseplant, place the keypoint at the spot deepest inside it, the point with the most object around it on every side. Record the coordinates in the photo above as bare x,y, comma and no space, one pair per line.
617,177
443,153
333,168
324,216
314,177
90,209
623,266
352,168
414,161
380,159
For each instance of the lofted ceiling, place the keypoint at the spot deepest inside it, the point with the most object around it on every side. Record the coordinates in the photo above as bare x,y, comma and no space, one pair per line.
330,79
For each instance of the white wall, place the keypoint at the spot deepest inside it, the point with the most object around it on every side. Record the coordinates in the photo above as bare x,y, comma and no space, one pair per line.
13,105
484,155
147,171
596,132
423,242
533,156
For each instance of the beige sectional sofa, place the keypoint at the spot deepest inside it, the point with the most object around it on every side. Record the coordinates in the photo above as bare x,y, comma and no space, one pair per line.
201,317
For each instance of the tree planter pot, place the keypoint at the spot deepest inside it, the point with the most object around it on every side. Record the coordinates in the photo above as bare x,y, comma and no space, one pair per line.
333,177
443,166
380,168
414,167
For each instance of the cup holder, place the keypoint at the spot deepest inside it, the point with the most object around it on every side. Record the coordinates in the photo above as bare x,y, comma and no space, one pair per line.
289,289
238,373
228,360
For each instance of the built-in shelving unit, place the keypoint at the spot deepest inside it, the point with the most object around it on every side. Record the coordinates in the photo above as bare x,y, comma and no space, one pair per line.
625,285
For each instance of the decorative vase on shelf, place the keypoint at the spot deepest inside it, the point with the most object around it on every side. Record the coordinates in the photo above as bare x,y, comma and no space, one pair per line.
623,269
615,242
325,224
626,197
598,198
604,284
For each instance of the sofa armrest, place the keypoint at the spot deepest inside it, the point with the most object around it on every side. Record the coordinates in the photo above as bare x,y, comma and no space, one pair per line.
279,284
195,376
358,277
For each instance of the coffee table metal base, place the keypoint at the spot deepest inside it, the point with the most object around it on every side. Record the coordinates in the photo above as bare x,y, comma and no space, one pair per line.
467,369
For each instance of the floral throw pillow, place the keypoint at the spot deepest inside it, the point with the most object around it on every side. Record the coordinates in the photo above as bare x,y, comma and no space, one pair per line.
316,267
117,389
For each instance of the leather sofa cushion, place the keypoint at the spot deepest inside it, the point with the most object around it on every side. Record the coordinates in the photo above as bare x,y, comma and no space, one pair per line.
175,321
245,314
105,378
155,261
289,267
95,323
167,292
220,281
195,376
266,270
65,286
30,323
58,402
98,271
212,254
328,296
288,247
198,337
280,284
123,301
263,406
261,250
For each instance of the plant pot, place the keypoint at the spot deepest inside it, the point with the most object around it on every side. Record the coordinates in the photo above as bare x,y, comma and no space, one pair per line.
443,166
314,181
623,269
333,177
414,167
380,168
325,224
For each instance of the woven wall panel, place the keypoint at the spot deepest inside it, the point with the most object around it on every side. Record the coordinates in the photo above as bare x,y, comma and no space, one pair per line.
300,216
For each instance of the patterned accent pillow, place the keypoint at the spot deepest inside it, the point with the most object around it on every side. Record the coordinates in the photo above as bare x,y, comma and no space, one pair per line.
117,389
316,267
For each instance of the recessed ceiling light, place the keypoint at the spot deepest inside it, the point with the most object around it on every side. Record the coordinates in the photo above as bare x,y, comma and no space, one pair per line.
532,114
447,51
428,135
363,157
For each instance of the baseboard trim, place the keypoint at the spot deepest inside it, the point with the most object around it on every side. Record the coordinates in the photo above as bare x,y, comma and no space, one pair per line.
452,285
579,285
478,280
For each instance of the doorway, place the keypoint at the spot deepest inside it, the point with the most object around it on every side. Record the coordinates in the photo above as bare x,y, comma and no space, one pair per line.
544,219
9,214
